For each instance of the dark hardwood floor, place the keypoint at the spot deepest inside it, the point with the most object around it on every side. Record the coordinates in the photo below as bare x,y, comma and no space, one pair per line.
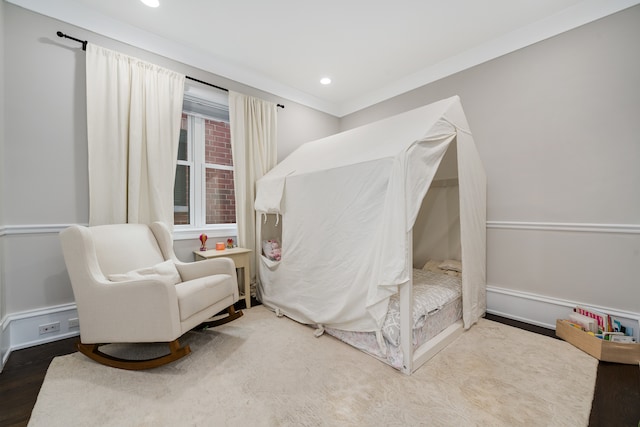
616,399
22,377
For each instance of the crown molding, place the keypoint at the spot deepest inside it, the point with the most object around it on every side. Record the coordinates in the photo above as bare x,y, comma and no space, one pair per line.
81,16
569,19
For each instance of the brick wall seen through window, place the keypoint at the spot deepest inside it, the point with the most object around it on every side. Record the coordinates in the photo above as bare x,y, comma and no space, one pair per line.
212,137
220,193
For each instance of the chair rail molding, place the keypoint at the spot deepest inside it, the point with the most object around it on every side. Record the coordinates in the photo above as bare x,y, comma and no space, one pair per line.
179,232
6,230
565,226
14,230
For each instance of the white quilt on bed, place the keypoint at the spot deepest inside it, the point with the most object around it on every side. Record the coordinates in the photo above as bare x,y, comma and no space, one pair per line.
431,291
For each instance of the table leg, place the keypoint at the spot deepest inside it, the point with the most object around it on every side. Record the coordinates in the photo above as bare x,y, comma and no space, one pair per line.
247,286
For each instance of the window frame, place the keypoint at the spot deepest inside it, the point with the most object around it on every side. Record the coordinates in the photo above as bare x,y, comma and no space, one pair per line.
197,183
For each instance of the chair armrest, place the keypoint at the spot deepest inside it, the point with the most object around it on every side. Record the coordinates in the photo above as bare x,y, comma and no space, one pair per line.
207,267
191,270
130,311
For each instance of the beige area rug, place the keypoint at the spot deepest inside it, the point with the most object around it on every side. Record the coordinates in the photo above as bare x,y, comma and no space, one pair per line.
261,370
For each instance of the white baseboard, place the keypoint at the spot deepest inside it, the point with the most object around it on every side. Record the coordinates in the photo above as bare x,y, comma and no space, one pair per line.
543,311
21,330
5,342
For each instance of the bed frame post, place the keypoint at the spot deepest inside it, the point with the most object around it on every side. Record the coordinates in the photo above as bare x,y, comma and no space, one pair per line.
406,312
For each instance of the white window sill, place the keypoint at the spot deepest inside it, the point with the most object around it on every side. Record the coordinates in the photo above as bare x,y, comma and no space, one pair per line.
214,231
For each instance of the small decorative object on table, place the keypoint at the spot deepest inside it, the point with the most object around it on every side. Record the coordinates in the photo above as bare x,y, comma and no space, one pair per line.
220,246
203,242
229,243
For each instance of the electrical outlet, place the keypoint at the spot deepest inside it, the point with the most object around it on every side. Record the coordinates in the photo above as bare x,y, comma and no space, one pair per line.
74,323
49,327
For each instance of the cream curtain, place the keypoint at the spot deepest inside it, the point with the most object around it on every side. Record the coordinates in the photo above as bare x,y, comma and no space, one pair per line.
253,143
133,126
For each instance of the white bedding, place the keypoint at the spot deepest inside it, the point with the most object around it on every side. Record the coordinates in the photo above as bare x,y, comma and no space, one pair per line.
431,291
437,303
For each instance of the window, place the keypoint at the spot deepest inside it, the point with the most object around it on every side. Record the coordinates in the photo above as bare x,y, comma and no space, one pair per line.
204,196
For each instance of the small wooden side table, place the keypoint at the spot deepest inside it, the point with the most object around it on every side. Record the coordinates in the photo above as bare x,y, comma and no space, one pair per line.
240,257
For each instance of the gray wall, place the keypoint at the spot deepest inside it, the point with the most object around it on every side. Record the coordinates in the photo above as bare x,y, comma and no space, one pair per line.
45,149
557,125
3,343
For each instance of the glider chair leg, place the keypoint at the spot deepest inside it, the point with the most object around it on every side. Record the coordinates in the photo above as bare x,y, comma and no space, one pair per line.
92,351
232,314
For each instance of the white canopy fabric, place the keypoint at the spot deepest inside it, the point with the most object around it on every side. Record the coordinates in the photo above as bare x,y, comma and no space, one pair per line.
346,205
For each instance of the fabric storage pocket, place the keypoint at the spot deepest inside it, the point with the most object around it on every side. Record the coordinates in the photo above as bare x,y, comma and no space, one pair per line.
270,240
270,264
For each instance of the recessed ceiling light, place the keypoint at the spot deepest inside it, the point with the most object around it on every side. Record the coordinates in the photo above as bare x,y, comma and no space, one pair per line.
151,3
325,80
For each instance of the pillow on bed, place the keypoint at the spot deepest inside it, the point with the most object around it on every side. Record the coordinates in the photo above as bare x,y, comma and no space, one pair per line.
165,271
451,265
432,265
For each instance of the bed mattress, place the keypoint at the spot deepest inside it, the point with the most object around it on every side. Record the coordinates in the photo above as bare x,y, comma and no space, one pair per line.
437,303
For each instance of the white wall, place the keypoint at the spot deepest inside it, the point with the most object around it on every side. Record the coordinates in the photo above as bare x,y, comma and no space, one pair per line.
4,337
557,127
45,156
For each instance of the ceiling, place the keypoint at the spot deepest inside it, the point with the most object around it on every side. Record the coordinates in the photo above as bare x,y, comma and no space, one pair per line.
372,50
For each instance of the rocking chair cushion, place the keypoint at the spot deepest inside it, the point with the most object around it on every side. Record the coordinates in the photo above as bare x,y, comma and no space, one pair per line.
195,295
165,272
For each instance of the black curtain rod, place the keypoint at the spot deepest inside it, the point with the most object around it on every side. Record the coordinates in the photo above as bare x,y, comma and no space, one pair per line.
84,42
84,47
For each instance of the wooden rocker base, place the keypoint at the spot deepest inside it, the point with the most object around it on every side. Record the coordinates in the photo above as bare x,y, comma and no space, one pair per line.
232,314
93,352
